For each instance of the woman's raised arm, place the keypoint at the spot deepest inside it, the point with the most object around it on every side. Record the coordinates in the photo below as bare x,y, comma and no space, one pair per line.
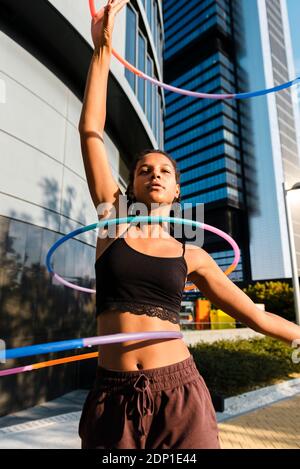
102,185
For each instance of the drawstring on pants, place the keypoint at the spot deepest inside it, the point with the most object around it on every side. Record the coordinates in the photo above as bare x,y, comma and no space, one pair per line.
144,400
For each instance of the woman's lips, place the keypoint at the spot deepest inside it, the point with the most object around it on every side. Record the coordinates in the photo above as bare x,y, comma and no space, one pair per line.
155,187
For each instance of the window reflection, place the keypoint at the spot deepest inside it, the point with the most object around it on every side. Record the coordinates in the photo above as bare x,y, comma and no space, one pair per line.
15,254
16,242
34,308
33,247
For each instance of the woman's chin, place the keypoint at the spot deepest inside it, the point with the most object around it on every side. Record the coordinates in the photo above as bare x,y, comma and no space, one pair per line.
154,198
158,198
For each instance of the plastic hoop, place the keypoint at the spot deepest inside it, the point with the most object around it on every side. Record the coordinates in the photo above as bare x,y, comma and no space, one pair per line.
141,219
195,94
87,342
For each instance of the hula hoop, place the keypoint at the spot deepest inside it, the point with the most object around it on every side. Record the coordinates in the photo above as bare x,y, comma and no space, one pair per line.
37,366
113,338
117,221
141,74
50,347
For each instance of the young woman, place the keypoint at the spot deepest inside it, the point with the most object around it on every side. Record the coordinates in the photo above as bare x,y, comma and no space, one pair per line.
148,394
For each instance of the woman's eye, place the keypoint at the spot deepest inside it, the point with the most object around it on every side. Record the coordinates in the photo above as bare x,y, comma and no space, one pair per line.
145,171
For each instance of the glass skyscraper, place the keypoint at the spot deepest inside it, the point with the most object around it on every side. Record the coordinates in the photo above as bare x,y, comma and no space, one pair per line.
203,135
233,155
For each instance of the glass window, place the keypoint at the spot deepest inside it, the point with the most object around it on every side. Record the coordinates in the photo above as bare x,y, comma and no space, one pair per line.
48,239
150,89
194,23
60,263
33,247
201,130
130,48
153,19
155,113
155,28
160,46
224,260
214,86
206,197
160,129
204,170
199,68
201,143
149,12
204,184
187,114
15,254
194,119
142,67
190,12
189,37
171,6
70,260
4,228
162,123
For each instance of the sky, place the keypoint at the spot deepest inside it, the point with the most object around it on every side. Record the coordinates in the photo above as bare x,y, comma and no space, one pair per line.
294,18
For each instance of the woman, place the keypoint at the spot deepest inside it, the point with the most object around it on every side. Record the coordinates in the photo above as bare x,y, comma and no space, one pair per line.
148,394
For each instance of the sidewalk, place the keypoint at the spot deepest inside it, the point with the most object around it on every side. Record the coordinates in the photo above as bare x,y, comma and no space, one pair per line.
276,426
54,425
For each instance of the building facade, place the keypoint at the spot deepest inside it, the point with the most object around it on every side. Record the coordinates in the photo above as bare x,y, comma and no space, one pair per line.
43,188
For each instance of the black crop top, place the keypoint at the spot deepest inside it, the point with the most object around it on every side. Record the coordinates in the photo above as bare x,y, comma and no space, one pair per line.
139,283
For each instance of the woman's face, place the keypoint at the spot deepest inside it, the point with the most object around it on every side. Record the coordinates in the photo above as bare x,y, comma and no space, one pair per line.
155,168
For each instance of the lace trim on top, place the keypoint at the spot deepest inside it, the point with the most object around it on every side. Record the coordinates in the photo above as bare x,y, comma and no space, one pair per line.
150,310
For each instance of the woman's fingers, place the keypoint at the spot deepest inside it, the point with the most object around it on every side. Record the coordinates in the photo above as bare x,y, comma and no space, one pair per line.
115,7
99,14
119,4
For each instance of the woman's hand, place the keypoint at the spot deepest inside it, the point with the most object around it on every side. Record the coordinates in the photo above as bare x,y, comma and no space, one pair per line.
103,23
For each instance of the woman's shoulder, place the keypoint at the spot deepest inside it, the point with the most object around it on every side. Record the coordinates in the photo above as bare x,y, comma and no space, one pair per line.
195,256
193,248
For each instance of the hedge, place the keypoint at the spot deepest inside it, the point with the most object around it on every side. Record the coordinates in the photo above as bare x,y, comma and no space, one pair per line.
277,297
231,367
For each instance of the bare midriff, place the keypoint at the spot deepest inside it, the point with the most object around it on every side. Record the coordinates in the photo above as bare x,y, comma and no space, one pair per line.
138,354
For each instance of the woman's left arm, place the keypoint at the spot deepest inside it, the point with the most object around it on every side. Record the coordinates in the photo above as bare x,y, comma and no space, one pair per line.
222,292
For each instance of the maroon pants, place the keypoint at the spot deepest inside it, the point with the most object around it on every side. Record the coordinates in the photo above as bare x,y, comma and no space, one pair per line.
168,407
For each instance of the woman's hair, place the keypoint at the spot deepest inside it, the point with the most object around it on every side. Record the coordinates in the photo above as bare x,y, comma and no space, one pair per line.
140,156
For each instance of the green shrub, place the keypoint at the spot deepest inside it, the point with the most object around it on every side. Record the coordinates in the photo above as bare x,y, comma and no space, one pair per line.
277,297
231,367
